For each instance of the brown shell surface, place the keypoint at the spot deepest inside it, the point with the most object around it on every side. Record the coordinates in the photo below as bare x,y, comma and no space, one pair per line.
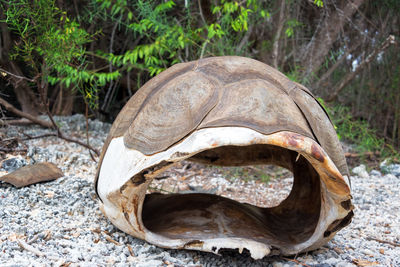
218,92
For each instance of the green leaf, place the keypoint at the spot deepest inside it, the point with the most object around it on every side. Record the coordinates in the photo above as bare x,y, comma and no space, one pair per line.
319,3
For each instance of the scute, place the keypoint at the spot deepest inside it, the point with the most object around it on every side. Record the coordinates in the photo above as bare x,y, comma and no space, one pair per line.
172,112
259,105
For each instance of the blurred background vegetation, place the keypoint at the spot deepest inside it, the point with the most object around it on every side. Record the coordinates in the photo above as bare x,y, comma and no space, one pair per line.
71,56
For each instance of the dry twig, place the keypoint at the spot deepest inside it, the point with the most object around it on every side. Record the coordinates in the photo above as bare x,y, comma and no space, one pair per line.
109,239
383,241
30,248
22,114
52,125
37,252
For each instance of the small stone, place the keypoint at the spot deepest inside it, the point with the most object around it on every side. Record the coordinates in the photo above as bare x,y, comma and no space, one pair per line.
361,171
344,264
331,261
367,252
375,173
394,169
150,263
13,164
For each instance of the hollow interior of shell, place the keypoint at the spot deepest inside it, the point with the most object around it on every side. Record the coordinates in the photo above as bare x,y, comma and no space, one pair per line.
316,208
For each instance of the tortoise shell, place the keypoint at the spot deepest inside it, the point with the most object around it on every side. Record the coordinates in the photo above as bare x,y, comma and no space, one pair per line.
231,102
217,92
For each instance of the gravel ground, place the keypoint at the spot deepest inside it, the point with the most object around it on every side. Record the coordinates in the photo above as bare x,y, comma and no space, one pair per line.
59,223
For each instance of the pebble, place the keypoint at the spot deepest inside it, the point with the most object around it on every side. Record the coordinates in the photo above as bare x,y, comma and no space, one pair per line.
375,173
68,227
361,171
13,164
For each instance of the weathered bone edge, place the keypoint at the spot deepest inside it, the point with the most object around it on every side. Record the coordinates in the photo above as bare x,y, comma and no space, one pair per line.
126,174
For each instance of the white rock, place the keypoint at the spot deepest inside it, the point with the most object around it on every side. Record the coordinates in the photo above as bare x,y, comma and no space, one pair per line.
331,261
375,173
361,171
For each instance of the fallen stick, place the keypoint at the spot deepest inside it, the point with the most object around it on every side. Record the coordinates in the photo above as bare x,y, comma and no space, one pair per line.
33,239
384,241
359,155
109,239
46,124
35,251
22,114
30,248
131,250
16,122
8,150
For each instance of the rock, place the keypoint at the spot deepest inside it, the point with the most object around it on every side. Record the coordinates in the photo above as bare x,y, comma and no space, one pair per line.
331,261
12,164
394,169
390,168
361,171
33,174
150,263
375,173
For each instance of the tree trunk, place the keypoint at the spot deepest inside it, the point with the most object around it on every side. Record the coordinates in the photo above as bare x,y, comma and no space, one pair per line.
275,46
327,32
64,102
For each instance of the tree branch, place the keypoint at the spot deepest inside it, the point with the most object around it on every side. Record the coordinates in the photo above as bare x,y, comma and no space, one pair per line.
60,134
16,76
390,40
45,124
245,39
22,114
275,46
201,13
336,65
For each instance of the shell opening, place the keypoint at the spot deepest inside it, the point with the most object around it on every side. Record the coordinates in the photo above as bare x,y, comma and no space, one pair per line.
312,213
205,216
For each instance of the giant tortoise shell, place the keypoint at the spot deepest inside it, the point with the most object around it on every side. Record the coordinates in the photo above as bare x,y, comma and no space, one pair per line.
227,111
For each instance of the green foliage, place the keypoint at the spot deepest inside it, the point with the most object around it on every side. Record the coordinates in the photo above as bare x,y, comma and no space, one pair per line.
319,3
296,75
290,27
53,46
168,36
357,131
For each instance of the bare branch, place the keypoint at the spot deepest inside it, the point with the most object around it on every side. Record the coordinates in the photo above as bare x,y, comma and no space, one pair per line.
384,241
45,124
201,13
336,65
35,251
245,39
347,79
22,114
275,46
87,130
16,76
